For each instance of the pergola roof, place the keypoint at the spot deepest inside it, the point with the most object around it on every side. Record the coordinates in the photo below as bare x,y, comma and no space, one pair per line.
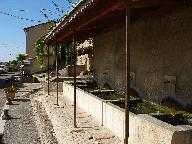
90,17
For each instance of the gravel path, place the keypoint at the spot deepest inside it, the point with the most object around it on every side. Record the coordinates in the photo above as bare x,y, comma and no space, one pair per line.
44,125
21,129
88,131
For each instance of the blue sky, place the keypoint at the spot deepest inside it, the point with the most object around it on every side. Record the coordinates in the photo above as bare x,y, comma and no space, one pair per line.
12,36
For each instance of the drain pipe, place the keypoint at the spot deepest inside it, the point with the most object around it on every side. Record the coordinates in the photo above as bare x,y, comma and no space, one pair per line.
127,50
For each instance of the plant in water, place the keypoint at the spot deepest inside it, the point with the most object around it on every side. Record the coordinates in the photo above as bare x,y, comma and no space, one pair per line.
187,115
117,95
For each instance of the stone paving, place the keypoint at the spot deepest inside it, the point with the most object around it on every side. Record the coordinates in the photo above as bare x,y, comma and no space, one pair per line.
61,118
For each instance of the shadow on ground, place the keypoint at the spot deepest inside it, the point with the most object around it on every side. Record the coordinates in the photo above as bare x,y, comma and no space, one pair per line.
4,83
1,138
21,100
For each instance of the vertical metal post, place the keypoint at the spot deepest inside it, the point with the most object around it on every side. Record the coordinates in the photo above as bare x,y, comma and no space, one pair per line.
75,96
48,69
127,46
56,65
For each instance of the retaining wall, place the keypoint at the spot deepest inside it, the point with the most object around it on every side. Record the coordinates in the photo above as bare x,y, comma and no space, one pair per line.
144,129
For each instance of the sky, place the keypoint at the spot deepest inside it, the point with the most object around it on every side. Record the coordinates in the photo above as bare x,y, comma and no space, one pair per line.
12,36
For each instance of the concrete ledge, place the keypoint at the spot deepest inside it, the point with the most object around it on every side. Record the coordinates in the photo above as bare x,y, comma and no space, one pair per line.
144,129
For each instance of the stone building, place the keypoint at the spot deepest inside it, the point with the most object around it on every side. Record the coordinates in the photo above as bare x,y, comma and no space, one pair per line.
84,60
33,33
160,45
85,54
161,63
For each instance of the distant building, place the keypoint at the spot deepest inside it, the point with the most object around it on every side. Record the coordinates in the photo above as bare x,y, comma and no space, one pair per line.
33,33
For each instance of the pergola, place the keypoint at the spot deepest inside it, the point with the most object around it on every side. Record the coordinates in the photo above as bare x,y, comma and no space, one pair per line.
91,17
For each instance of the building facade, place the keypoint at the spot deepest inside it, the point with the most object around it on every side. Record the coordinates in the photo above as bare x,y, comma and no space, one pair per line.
33,33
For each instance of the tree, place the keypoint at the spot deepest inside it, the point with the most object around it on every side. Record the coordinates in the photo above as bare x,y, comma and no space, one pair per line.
21,57
15,62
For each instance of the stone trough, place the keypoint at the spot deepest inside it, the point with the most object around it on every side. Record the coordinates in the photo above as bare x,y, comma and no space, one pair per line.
144,129
53,83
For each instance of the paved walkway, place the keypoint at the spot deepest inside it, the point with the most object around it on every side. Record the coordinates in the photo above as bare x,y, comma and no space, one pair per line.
61,118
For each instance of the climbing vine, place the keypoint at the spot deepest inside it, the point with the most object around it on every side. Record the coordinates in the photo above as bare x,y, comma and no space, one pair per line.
40,44
39,49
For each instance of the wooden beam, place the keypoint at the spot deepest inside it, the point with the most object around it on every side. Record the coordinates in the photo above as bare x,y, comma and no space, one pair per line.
101,12
148,3
90,15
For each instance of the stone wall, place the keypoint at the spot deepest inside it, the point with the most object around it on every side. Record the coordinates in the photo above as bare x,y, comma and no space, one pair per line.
84,60
161,49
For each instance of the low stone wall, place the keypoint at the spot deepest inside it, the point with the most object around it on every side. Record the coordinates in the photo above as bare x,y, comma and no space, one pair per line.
144,129
53,86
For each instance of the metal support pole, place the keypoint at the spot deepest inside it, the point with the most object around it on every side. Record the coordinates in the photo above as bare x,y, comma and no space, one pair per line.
56,65
75,96
48,69
127,46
